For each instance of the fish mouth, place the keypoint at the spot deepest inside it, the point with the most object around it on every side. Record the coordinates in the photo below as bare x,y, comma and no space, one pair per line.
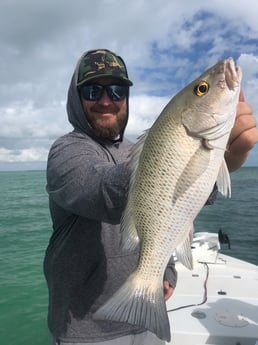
233,74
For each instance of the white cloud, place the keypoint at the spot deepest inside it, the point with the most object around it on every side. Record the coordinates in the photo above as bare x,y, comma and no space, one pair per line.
143,112
24,120
249,65
25,155
165,45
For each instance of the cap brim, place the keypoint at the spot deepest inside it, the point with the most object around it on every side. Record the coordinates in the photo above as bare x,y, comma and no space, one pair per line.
123,80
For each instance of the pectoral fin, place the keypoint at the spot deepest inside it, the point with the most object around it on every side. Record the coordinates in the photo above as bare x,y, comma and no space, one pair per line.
223,180
192,171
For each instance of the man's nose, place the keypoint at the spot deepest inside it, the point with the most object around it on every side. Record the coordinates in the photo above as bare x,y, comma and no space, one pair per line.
105,99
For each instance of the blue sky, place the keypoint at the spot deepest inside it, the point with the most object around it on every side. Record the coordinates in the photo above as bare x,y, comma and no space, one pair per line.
165,44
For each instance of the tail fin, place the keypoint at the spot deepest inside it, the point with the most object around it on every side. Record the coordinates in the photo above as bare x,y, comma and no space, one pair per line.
138,303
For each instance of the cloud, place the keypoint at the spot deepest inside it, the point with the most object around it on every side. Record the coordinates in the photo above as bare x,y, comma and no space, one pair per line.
249,65
25,155
143,112
165,47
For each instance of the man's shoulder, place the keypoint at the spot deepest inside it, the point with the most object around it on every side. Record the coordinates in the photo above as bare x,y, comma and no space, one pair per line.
72,138
72,144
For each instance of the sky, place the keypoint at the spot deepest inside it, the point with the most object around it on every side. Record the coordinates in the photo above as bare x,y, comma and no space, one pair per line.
165,44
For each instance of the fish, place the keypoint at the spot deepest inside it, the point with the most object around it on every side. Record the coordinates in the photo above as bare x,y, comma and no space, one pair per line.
175,164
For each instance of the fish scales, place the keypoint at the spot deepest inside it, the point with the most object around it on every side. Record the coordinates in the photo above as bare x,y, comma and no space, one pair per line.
176,164
161,212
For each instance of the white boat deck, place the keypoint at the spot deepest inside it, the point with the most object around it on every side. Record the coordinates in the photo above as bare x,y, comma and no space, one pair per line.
229,316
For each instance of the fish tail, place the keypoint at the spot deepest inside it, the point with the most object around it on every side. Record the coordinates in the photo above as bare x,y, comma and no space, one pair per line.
137,303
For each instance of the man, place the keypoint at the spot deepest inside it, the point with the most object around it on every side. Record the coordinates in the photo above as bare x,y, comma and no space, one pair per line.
87,182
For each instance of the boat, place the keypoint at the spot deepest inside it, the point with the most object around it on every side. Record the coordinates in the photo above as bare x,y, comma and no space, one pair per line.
217,302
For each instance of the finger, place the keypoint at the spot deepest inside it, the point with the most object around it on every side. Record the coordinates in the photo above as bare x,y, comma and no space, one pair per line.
168,290
168,294
241,96
243,108
165,286
242,124
245,141
239,149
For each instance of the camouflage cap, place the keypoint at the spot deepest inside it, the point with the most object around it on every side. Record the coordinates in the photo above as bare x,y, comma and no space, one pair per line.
102,63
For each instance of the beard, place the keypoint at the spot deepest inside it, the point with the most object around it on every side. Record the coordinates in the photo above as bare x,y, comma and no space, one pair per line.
104,128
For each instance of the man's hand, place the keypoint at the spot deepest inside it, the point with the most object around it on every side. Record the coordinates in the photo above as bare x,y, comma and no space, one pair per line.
243,137
168,290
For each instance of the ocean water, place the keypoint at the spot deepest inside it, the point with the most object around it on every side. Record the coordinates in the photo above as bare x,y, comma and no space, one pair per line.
237,216
25,229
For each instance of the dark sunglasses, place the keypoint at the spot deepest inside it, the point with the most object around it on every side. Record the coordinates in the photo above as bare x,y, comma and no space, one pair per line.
94,92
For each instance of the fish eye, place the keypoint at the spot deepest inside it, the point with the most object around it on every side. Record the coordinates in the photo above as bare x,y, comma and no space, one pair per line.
201,89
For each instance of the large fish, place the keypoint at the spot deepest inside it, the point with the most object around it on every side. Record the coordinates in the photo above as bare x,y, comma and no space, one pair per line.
176,164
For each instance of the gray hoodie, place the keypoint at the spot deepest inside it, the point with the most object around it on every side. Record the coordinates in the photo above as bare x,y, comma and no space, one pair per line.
87,182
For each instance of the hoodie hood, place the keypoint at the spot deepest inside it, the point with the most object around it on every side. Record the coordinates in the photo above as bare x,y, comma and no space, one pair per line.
76,115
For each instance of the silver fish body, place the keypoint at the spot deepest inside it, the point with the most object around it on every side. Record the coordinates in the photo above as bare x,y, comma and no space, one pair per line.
176,164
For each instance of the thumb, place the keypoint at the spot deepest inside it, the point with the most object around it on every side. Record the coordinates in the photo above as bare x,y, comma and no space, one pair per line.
241,96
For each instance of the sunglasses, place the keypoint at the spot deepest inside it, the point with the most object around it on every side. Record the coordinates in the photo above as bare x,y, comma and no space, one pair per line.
94,92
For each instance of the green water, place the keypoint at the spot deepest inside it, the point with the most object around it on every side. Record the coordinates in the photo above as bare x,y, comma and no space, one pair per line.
24,231
25,228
